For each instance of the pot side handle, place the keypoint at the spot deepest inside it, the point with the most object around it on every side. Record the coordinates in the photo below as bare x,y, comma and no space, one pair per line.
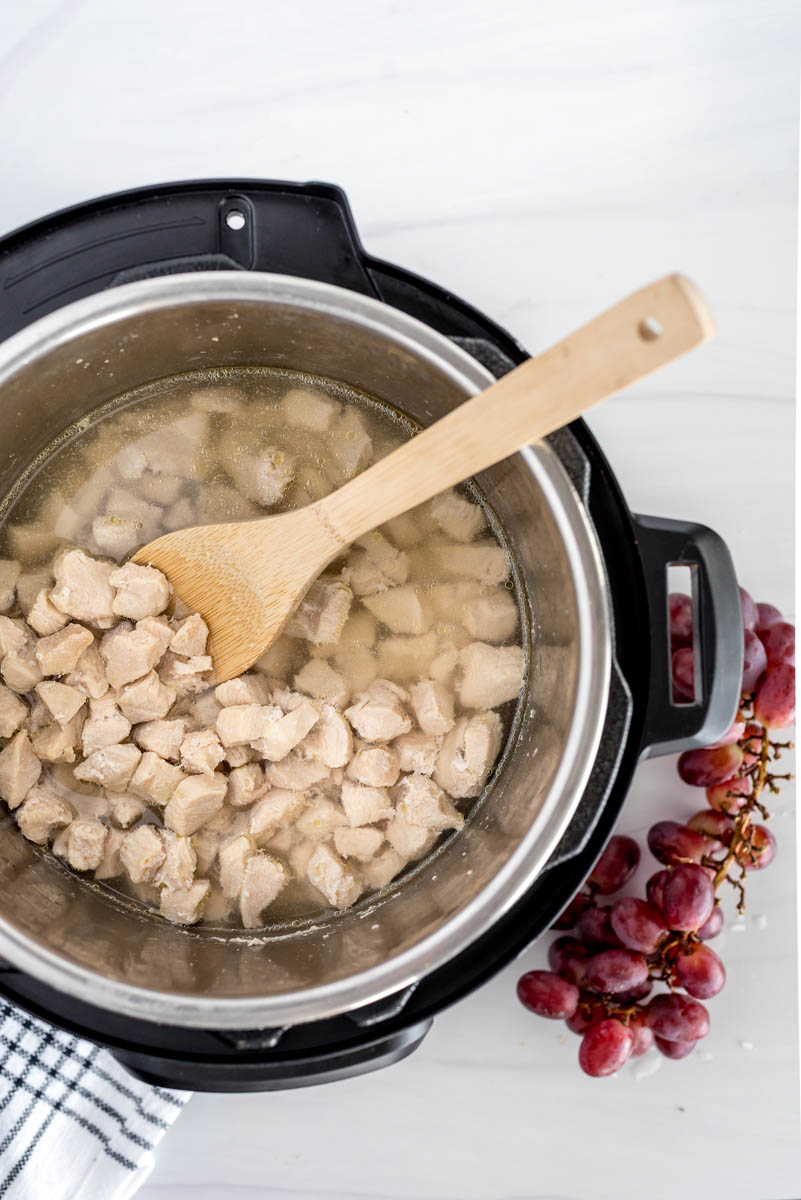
718,628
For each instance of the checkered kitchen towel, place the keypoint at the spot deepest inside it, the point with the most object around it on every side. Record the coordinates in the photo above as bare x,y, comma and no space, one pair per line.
73,1124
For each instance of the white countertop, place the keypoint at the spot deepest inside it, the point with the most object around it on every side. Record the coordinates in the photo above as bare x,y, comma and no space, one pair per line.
540,159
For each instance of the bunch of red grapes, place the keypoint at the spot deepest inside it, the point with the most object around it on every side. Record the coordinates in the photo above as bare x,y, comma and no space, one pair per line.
604,972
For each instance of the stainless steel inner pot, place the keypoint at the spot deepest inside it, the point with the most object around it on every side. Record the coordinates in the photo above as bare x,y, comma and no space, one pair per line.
73,935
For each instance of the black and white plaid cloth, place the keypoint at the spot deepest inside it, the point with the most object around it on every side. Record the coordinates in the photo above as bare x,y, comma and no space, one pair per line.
73,1124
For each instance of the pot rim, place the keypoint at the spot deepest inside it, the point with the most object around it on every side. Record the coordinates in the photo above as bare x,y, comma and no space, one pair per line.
593,676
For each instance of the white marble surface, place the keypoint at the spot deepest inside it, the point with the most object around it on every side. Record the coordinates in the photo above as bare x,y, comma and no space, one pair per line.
540,158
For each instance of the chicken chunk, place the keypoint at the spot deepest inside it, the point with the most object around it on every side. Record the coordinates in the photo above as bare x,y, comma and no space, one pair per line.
246,784
60,653
140,592
284,734
160,628
86,844
13,712
382,869
142,853
331,740
239,756
360,843
457,517
403,531
419,801
247,689
105,725
407,658
62,700
319,679
365,805
296,774
322,613
111,766
191,637
89,675
349,445
245,723
42,813
13,636
55,743
162,737
83,588
126,810
129,654
279,807
358,666
29,585
10,571
43,616
20,768
339,883
319,819
263,881
111,866
201,752
375,766
194,801
299,857
184,906
307,409
233,857
484,561
180,861
493,617
117,536
433,706
186,676
491,675
379,715
154,779
146,700
409,841
401,609
376,566
467,754
264,477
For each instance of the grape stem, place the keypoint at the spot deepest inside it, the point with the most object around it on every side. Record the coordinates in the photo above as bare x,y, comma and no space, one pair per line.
740,842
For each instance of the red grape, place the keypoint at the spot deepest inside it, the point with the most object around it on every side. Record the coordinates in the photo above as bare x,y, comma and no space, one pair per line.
547,994
682,668
733,734
779,643
678,1018
635,994
653,888
712,927
700,972
680,609
568,918
767,615
705,768
673,1049
642,1034
750,611
594,927
713,824
762,849
568,957
605,1047
687,897
637,924
616,865
673,843
590,1010
616,970
774,705
755,661
731,796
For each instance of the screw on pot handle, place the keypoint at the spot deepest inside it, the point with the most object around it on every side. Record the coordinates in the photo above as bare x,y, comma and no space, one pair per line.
718,630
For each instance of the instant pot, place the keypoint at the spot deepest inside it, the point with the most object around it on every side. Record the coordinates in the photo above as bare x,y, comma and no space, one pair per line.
124,290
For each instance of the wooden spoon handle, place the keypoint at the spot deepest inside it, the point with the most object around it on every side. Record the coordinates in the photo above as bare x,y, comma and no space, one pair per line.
627,342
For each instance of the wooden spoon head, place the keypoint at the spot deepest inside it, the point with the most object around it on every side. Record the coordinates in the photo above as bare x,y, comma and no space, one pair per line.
244,578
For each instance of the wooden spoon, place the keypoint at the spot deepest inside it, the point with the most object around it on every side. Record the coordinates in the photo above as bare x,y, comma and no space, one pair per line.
245,578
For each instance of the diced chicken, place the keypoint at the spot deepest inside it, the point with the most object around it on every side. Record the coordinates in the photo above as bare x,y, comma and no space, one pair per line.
360,843
154,779
375,766
322,613
264,477
421,802
285,734
129,654
13,712
111,866
238,756
205,844
379,715
159,489
307,409
433,706
10,571
246,784
401,609
404,531
279,807
233,857
142,853
491,675
13,636
184,906
448,599
377,565
319,679
186,676
162,737
492,617
60,653
319,819
146,700
339,883
263,881
365,805
410,841
105,725
20,669
116,536
417,752
240,723
62,700
201,751
29,585
194,801
299,857
86,844
190,637
111,767
83,588
331,740
457,517
55,743
467,754
296,774
247,689
407,658
178,868
484,561
140,591
126,810
349,445
20,768
41,814
89,674
444,665
43,616
358,667
160,629
382,869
